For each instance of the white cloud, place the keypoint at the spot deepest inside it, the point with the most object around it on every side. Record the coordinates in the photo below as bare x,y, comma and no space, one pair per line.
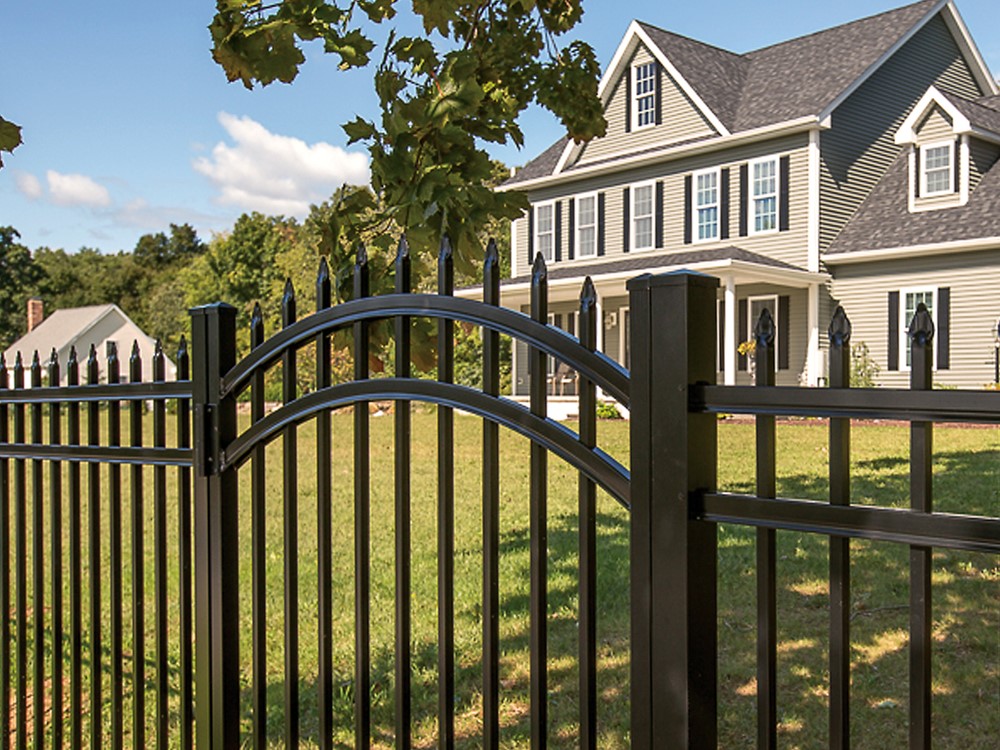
28,185
276,174
76,190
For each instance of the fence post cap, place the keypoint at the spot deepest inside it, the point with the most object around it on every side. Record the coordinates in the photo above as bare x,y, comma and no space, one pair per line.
672,278
215,308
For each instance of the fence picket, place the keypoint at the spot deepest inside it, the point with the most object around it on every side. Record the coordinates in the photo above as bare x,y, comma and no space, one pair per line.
37,565
290,454
258,543
56,562
160,556
402,505
96,716
185,589
21,565
137,512
4,564
75,565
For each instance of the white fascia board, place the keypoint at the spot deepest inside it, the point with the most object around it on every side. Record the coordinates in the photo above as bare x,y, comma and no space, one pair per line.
790,127
878,63
907,132
969,49
894,253
626,47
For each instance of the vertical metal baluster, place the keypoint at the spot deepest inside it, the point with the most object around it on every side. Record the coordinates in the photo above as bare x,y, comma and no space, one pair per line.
21,564
291,521
75,593
160,556
538,511
4,565
96,712
840,547
324,519
362,523
588,532
38,564
138,562
55,521
767,636
258,545
184,589
491,513
446,512
402,500
117,563
921,334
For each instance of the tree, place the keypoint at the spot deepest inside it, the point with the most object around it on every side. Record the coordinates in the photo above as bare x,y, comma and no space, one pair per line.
18,275
10,137
442,98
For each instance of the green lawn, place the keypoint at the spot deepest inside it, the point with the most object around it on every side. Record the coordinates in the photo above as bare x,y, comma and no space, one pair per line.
966,593
966,614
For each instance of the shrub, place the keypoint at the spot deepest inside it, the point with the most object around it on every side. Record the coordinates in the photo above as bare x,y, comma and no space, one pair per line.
607,410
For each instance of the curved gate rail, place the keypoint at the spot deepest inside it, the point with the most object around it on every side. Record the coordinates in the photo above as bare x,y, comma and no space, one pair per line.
215,396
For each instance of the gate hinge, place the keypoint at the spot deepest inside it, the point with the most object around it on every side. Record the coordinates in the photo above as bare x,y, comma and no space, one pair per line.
206,443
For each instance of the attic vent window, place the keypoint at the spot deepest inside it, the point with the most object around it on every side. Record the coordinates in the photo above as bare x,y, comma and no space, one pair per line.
644,94
937,169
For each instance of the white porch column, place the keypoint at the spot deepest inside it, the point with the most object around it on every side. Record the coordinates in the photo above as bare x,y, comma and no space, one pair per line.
813,363
729,361
600,322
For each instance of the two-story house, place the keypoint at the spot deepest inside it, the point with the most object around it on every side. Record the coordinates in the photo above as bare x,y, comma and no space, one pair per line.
854,166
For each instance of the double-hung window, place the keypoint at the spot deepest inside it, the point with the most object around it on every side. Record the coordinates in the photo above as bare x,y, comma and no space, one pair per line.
586,226
908,300
937,169
644,94
757,305
642,216
706,205
545,230
764,195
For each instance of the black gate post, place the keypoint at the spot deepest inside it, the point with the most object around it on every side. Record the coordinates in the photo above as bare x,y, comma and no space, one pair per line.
673,558
213,338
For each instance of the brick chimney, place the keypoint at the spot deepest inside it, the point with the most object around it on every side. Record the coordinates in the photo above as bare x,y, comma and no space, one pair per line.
36,312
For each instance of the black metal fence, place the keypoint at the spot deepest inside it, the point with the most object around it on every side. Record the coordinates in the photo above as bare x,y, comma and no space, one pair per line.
671,493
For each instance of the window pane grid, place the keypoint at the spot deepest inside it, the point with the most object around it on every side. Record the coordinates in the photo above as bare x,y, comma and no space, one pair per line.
707,204
765,196
544,239
937,169
645,94
642,221
586,226
910,302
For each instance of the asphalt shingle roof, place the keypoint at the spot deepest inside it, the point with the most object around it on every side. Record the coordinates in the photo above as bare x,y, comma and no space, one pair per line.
982,113
785,81
884,219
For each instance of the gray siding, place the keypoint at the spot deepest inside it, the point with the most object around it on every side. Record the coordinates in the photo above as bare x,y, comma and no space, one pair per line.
982,156
789,246
975,307
859,147
681,119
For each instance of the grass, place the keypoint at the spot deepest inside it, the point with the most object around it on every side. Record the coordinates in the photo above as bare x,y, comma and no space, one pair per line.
966,602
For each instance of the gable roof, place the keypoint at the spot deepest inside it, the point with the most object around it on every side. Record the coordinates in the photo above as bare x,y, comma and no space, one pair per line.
803,77
59,329
884,220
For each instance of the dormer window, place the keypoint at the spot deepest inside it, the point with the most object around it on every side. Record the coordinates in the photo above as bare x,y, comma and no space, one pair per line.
644,94
937,169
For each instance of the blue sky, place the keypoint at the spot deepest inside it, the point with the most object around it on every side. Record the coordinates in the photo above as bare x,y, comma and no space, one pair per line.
129,125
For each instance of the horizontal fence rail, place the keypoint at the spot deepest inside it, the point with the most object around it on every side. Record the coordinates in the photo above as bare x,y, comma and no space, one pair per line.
74,587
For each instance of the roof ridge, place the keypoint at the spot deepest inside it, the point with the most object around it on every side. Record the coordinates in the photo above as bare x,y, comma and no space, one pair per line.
818,32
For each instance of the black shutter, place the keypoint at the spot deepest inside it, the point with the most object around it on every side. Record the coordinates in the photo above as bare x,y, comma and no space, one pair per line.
659,110
724,205
659,212
744,190
687,210
943,324
571,324
628,98
958,164
918,172
893,331
783,331
784,171
600,223
721,311
558,231
531,237
743,314
571,237
626,207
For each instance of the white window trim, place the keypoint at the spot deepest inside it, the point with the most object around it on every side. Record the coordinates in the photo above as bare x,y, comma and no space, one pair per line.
552,256
576,228
717,171
924,147
632,245
752,200
634,99
904,324
751,321
622,338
